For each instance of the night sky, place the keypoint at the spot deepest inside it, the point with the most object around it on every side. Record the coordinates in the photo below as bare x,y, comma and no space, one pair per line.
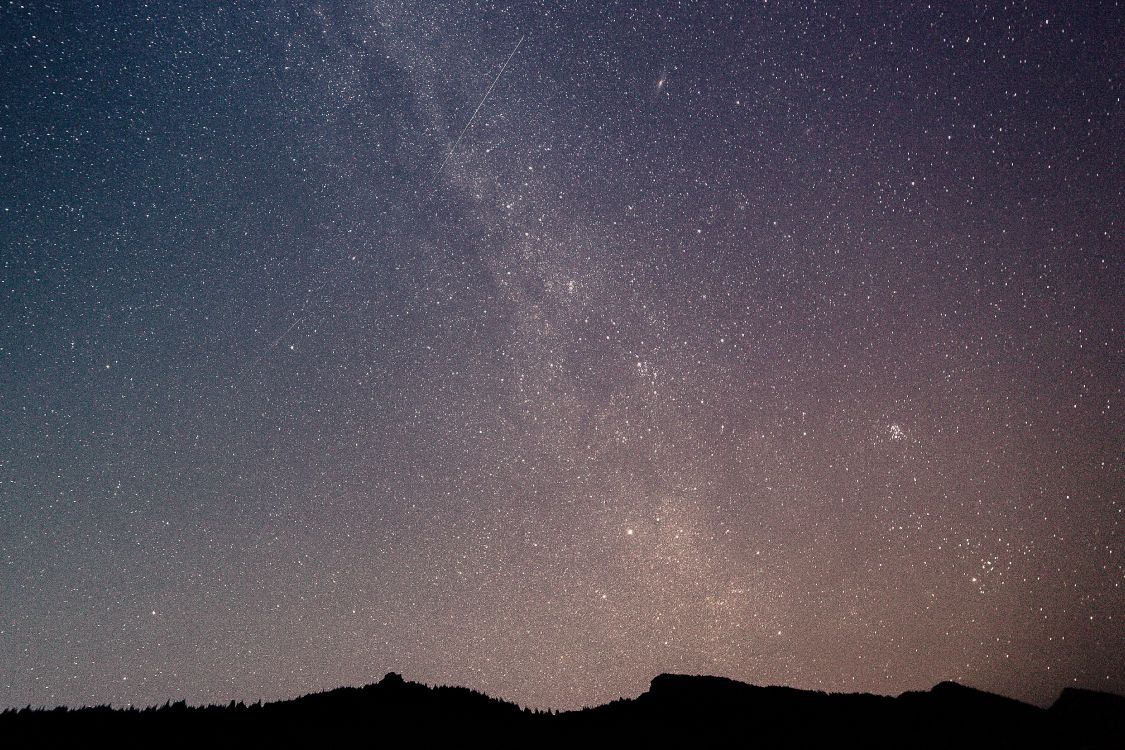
544,347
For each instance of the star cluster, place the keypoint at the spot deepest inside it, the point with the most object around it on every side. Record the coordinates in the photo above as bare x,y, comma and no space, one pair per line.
543,347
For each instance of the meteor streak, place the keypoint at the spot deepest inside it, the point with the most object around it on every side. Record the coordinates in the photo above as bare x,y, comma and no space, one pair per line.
476,111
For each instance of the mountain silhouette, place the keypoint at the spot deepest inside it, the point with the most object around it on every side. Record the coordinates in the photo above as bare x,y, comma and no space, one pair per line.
675,710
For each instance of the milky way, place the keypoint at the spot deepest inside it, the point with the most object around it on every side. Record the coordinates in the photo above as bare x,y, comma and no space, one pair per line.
542,348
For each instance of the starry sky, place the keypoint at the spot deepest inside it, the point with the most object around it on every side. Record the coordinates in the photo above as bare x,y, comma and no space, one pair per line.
542,347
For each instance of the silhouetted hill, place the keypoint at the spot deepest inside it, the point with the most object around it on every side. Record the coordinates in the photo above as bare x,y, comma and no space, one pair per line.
676,710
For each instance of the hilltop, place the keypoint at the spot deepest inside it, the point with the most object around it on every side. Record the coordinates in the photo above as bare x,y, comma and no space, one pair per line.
674,710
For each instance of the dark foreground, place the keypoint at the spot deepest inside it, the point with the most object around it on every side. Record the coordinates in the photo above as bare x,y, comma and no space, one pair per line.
676,710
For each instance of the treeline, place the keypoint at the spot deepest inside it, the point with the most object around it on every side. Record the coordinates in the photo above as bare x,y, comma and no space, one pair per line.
676,710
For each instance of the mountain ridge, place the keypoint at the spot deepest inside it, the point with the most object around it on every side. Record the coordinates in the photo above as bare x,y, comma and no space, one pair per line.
675,708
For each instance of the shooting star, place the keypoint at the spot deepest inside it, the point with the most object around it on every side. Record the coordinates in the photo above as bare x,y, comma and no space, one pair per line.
285,333
469,124
252,369
303,313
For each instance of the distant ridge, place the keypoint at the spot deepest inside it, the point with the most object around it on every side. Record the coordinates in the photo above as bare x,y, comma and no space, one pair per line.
676,709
